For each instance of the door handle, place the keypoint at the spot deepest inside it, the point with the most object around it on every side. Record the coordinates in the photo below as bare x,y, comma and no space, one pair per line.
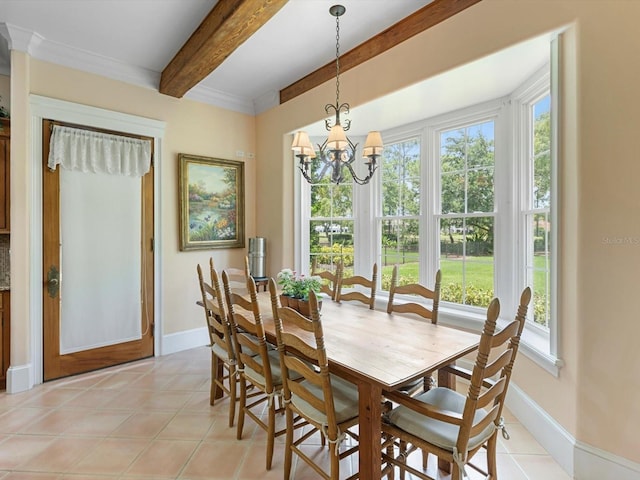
53,281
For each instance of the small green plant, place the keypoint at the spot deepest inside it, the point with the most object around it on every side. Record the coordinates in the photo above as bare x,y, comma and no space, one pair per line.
298,286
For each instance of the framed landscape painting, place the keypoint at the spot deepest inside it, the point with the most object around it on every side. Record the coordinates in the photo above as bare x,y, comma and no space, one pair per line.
211,203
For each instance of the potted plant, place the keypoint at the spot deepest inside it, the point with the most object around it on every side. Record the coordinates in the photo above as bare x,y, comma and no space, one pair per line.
296,288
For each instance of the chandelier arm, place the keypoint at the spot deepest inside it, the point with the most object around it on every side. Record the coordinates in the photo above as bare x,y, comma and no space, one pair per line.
358,180
305,170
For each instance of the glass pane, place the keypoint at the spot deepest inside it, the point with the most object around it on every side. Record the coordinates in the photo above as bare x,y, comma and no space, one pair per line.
452,288
389,242
401,179
542,153
320,200
452,151
400,246
539,268
453,193
480,190
316,236
342,200
451,237
541,297
466,168
466,260
480,145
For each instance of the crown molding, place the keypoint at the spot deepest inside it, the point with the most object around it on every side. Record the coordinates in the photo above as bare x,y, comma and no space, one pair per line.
211,96
266,101
21,39
60,54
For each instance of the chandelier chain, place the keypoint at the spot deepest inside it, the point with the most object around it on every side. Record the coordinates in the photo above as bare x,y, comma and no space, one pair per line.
338,153
337,61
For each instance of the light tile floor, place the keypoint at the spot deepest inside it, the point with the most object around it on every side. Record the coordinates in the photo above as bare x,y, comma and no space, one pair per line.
151,419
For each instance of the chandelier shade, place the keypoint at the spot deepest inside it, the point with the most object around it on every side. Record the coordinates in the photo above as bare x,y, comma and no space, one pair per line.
338,153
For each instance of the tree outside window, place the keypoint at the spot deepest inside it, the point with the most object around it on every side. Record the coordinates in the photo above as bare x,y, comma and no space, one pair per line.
467,214
400,220
331,225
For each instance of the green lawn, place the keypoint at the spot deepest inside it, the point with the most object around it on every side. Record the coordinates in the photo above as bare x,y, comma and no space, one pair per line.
478,273
479,270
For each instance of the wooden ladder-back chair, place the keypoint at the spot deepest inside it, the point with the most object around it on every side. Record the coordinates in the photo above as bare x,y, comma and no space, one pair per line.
330,280
452,426
328,403
357,280
237,277
415,289
416,308
223,356
258,366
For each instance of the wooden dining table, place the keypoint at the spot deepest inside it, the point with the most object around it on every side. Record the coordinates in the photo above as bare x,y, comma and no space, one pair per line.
380,352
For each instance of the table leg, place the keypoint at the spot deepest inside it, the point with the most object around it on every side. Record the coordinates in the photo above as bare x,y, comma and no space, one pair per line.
370,428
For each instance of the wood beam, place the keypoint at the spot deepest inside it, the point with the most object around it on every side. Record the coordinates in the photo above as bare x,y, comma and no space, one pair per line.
225,28
423,19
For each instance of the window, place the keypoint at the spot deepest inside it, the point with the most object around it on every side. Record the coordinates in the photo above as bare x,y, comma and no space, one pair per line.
468,192
400,211
467,214
537,211
331,225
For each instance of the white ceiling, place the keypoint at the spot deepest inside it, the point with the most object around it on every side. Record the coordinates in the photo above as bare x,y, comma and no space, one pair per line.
134,40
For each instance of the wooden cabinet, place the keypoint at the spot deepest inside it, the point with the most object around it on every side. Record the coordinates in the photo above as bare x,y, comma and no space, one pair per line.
5,133
5,316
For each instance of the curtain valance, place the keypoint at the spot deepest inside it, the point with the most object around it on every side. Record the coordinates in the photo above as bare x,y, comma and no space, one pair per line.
89,151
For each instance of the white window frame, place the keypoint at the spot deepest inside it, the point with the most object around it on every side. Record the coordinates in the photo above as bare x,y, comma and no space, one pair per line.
425,265
511,155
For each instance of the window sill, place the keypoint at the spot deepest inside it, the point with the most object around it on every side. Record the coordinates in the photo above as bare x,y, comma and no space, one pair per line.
534,344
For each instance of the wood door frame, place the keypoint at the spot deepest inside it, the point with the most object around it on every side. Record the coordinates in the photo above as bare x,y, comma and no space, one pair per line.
24,376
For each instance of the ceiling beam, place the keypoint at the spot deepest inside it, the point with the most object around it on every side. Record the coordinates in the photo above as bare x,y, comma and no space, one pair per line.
423,19
225,28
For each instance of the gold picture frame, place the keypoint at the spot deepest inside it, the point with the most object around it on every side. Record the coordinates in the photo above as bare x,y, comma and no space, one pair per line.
211,203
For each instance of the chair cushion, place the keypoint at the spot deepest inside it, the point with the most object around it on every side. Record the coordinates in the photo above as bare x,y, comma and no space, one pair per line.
345,400
274,363
276,371
442,434
220,352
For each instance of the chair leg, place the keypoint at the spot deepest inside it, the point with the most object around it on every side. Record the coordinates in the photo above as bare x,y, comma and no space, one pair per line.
233,379
271,433
456,472
288,453
214,372
390,454
492,469
335,461
402,455
241,407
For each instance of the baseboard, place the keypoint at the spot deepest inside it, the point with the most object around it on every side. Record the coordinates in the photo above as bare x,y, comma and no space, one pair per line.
544,428
559,443
177,342
19,379
591,462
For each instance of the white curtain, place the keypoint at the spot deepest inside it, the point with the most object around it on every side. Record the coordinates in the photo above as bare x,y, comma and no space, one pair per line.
88,151
100,236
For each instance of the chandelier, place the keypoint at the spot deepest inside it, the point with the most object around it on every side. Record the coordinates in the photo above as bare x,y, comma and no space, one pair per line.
338,152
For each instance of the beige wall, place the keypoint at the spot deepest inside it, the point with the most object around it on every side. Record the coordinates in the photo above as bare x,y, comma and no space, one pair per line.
596,395
191,127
